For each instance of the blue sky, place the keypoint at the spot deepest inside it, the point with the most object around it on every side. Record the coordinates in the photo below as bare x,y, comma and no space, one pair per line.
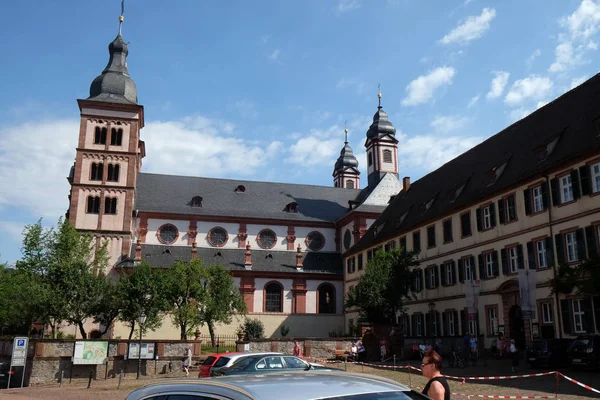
261,90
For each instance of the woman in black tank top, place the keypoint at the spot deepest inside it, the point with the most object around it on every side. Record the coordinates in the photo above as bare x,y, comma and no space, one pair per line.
437,388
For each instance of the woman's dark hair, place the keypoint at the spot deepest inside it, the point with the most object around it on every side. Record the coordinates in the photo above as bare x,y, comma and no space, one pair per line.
434,358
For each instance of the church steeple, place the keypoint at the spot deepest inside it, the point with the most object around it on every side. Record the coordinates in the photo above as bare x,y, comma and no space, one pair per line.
382,146
114,85
345,171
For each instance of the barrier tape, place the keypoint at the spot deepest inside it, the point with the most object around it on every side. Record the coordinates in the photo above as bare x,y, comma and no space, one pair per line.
490,378
579,383
490,396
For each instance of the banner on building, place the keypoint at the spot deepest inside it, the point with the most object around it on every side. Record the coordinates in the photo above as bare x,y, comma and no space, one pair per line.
472,296
527,280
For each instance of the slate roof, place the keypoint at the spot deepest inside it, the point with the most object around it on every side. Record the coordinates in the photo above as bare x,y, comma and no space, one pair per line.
492,166
161,256
173,194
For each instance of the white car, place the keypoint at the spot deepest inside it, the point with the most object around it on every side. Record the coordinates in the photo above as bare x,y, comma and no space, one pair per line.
226,362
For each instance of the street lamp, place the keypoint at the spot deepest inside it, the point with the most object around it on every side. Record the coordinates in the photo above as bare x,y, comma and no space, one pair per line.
141,320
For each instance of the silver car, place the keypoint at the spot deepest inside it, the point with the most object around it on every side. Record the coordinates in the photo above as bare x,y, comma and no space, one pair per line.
275,386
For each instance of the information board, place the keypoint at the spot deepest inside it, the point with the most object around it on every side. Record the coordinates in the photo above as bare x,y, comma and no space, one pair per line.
90,353
148,351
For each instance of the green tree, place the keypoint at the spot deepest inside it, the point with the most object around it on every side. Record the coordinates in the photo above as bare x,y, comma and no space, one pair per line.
108,307
253,329
185,292
221,301
582,279
385,285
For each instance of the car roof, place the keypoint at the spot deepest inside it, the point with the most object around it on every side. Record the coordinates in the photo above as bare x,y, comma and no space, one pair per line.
298,385
271,353
217,356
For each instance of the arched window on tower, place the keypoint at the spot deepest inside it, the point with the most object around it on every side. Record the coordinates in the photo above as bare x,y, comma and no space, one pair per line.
273,297
116,136
100,135
349,184
387,156
96,171
370,159
110,205
326,299
113,173
93,204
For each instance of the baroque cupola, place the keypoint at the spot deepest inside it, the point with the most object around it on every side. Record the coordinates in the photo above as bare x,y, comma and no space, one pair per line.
382,147
345,171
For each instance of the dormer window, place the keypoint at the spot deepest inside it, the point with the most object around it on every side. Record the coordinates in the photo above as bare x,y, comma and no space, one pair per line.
196,201
496,172
240,189
292,207
401,219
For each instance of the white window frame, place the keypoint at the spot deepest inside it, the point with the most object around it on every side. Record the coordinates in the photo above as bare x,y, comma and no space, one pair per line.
493,321
431,271
566,189
547,313
472,327
405,324
449,274
577,316
468,269
513,260
489,265
595,175
571,247
419,325
538,201
451,330
540,249
487,217
418,287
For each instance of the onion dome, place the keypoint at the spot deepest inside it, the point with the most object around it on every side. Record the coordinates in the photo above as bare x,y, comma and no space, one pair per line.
381,125
346,158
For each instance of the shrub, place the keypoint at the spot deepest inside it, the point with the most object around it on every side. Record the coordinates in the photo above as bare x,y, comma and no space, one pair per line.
284,330
254,329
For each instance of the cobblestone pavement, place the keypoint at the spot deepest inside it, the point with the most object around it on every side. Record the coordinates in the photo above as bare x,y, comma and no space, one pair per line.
543,386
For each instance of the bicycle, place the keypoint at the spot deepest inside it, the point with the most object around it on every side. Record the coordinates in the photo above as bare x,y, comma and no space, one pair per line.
457,360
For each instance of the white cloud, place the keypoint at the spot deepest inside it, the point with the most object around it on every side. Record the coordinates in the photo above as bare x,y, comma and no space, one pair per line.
470,29
274,56
498,84
448,123
519,113
584,21
564,57
317,147
13,229
473,101
467,2
430,152
578,81
532,57
347,5
531,88
421,90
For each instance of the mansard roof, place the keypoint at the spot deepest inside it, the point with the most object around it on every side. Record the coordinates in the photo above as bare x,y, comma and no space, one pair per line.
557,133
173,194
161,256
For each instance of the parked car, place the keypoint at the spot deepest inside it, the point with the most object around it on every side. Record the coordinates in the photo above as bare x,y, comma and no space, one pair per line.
233,358
548,352
260,364
16,375
291,386
211,361
585,351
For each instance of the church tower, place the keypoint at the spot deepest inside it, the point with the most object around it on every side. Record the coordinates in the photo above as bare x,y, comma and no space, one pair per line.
382,147
345,172
108,156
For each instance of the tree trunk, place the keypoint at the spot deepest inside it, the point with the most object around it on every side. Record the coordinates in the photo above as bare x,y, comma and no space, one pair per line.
53,326
211,331
132,329
183,328
82,330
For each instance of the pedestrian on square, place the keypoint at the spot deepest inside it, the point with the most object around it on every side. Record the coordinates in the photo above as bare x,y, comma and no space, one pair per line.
297,349
514,354
187,361
437,388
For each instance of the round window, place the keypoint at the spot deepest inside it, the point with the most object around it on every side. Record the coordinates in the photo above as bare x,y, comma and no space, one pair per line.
217,237
168,233
267,239
315,241
347,239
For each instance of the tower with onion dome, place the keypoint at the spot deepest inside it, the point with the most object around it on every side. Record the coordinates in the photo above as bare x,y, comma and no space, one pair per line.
345,172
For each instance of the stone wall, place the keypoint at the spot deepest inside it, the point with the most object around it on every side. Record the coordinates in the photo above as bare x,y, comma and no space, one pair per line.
311,347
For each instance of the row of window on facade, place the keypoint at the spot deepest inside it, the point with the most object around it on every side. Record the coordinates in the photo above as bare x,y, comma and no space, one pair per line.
571,246
93,205
579,316
116,136
97,172
218,237
387,157
273,300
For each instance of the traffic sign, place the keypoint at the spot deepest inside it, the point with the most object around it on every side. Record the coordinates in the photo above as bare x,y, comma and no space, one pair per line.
19,357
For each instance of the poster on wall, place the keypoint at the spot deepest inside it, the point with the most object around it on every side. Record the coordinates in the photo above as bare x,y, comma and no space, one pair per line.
148,351
89,353
472,296
527,278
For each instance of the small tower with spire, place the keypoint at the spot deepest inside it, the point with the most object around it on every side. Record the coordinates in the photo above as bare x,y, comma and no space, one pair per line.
382,147
108,156
345,172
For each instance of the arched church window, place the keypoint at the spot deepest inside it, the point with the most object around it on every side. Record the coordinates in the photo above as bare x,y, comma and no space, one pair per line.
100,135
266,239
113,173
110,205
217,237
116,136
349,184
370,159
96,171
273,297
93,204
326,299
387,156
315,241
347,239
167,234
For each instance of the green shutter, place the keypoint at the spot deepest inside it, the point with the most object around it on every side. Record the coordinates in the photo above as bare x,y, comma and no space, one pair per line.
478,215
481,268
554,187
504,257
565,311
461,271
501,211
493,214
588,317
531,255
520,257
590,239
560,252
549,251
545,195
584,177
527,201
575,184
580,237
474,269
495,263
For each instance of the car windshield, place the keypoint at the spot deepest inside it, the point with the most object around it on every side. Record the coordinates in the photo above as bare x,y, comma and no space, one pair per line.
241,364
221,362
581,342
209,361
380,396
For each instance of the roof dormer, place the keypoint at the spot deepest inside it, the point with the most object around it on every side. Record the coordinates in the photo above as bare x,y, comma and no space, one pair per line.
196,201
291,207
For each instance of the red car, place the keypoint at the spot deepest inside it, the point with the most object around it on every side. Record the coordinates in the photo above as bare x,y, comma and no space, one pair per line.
216,360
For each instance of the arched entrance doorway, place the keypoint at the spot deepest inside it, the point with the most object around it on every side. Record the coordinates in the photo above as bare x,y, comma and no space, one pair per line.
516,326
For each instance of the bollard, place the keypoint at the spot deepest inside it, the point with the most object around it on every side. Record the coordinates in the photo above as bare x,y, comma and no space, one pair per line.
120,379
345,360
394,366
90,380
62,376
